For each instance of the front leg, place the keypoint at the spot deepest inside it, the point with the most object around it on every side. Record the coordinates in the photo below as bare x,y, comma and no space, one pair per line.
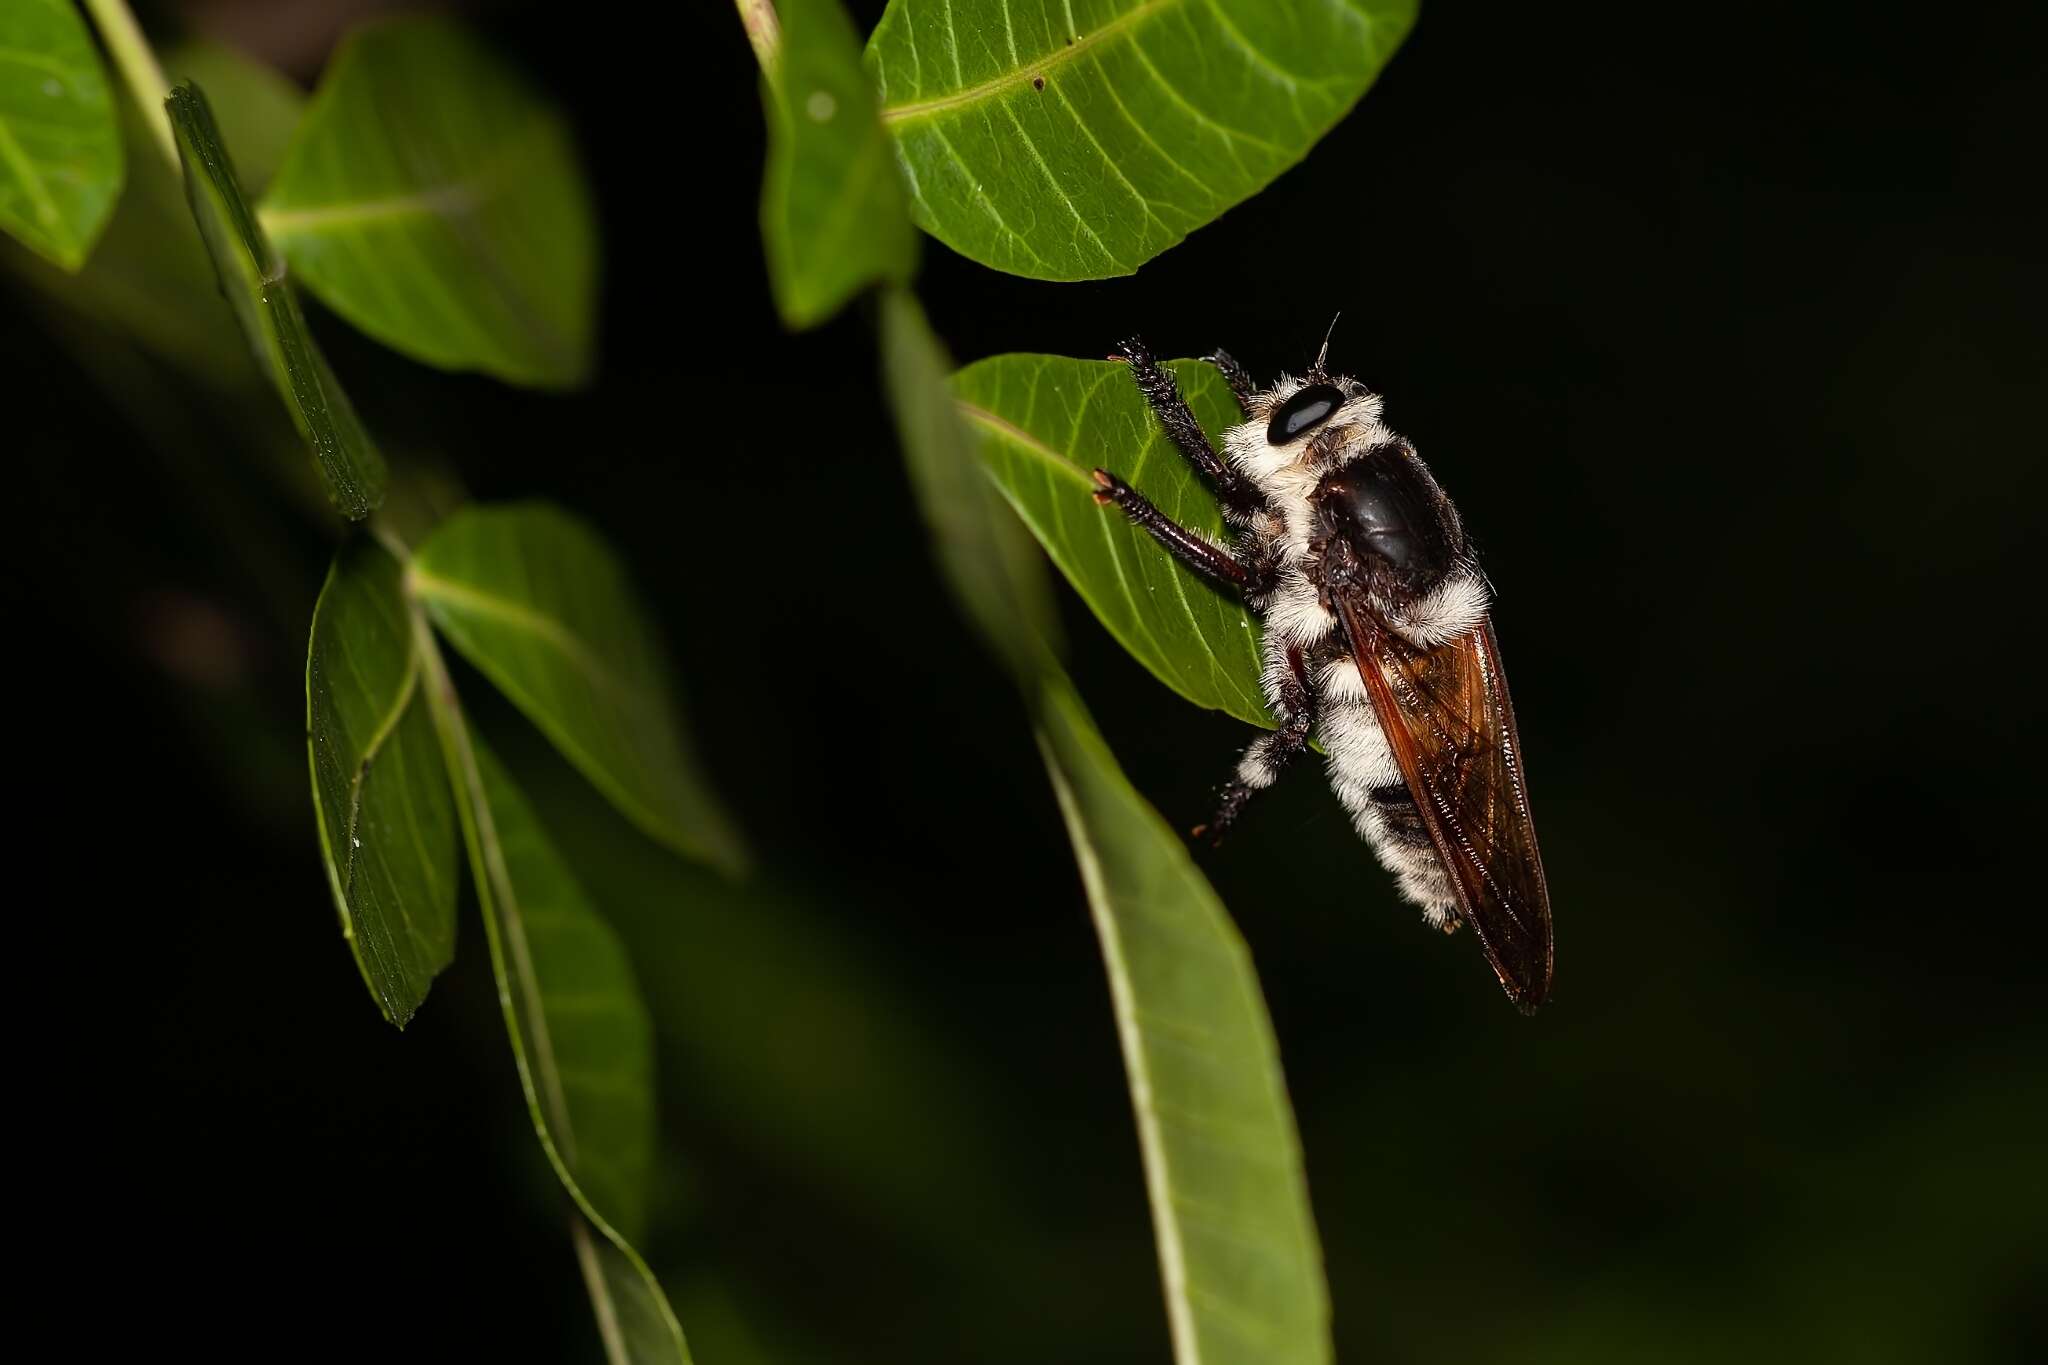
1235,375
1269,754
1214,562
1240,499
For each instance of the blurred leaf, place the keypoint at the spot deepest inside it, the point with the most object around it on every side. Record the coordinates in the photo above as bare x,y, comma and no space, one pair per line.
253,279
988,557
1080,140
773,1000
580,1036
60,145
540,605
1045,422
258,108
832,210
1237,1242
387,822
633,1314
734,1327
424,492
434,200
149,278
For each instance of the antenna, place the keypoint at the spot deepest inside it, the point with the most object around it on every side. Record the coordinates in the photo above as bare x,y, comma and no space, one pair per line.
1324,354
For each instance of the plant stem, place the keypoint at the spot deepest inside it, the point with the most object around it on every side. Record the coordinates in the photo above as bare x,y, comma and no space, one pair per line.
139,68
764,31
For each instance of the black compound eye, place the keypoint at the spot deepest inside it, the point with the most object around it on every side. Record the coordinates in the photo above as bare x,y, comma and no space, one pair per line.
1302,413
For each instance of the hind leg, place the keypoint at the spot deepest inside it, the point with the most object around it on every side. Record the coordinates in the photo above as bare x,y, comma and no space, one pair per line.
1267,755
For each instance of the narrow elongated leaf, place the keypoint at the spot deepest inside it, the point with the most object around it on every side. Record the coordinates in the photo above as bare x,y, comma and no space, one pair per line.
252,277
1076,139
387,822
1046,422
832,210
1237,1245
580,1035
60,144
988,558
434,200
1237,1242
539,604
258,107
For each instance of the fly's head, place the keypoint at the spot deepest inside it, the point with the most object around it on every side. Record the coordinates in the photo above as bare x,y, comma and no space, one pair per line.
1300,429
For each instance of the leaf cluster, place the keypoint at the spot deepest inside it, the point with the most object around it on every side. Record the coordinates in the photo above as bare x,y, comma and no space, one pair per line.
430,197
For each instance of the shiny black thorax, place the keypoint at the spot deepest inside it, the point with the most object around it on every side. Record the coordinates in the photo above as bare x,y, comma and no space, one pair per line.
1382,523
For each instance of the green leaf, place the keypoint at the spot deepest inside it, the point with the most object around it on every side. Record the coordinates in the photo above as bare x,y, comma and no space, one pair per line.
60,146
1045,423
1237,1245
434,200
988,557
387,822
253,279
540,605
832,210
1230,1209
580,1036
149,277
1079,139
258,108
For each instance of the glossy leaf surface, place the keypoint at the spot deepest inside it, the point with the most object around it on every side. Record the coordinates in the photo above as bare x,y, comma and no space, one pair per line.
1045,423
1077,139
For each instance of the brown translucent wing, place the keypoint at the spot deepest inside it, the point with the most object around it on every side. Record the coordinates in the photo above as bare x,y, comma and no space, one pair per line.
1447,717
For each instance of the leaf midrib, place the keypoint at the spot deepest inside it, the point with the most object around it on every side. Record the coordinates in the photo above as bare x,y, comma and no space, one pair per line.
917,110
48,216
431,587
408,685
458,198
1159,1178
1015,434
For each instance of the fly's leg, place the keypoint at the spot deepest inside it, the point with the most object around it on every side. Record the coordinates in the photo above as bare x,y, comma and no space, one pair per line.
1240,499
1234,375
1267,755
1218,563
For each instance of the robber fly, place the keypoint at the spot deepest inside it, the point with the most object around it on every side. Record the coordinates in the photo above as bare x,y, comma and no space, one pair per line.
1377,642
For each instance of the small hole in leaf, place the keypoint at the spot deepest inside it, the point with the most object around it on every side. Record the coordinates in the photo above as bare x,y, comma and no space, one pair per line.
1038,82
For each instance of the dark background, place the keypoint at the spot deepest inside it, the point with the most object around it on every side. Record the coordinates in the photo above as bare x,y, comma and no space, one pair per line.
1726,332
